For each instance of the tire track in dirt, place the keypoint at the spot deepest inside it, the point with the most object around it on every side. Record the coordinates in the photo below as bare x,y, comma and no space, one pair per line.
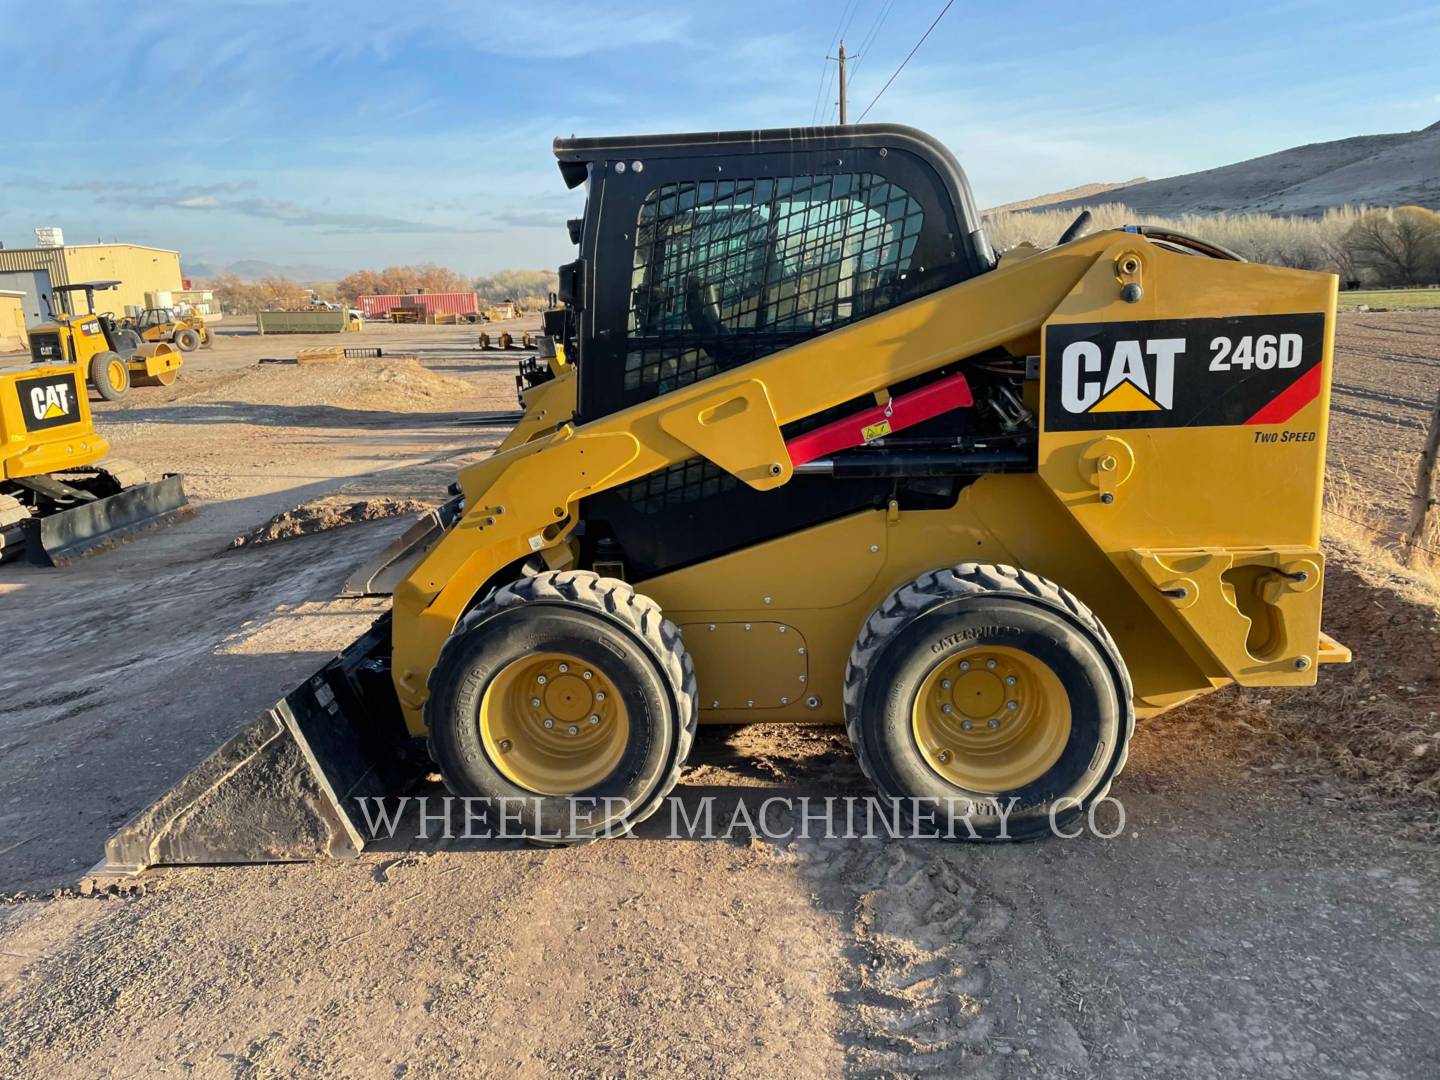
917,1002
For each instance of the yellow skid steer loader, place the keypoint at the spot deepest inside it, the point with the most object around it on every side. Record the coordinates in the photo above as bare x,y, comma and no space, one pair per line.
818,455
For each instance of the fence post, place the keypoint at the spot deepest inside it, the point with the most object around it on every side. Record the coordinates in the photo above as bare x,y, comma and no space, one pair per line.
1423,501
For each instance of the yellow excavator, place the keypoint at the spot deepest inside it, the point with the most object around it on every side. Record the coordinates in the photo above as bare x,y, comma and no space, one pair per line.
816,453
61,497
112,357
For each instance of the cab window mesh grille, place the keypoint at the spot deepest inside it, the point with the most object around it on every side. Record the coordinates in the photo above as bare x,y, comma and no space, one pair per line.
729,271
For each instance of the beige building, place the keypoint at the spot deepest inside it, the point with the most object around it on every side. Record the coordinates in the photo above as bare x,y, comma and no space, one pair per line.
140,270
12,321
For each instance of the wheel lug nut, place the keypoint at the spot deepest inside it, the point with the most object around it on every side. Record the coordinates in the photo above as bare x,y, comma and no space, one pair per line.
504,744
564,667
549,723
573,730
535,701
586,676
966,724
1012,705
947,708
594,719
1009,680
600,695
988,663
943,757
945,684
994,724
541,679
964,665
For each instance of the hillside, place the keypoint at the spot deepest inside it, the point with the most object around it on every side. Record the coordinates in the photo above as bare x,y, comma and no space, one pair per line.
1377,170
1069,195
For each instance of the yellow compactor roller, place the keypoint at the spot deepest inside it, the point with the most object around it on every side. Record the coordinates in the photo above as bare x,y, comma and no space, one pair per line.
113,357
815,454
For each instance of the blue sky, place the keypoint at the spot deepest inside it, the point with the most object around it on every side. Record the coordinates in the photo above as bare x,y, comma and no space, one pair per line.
358,134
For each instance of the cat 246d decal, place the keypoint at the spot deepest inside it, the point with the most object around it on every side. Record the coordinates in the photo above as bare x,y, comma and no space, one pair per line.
1167,373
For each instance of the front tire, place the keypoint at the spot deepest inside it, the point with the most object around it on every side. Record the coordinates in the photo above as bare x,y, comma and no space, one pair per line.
557,693
109,375
187,340
992,698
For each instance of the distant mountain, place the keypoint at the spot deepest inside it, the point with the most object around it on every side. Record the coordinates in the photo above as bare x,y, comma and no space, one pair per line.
1084,191
1377,170
255,269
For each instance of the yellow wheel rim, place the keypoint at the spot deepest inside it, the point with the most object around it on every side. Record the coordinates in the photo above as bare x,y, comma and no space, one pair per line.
991,718
115,372
553,724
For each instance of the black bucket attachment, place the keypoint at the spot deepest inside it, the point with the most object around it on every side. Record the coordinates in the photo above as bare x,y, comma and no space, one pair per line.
285,788
62,537
380,576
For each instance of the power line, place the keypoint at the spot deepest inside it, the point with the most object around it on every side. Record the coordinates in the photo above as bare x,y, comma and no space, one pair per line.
840,27
885,9
913,51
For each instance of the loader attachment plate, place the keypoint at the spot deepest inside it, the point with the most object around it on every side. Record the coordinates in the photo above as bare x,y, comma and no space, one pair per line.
61,538
380,576
285,787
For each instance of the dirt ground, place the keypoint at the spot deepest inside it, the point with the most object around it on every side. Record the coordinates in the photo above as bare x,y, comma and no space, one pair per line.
1267,908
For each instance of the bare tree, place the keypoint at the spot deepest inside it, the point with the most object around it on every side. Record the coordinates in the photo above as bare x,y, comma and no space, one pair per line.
1400,246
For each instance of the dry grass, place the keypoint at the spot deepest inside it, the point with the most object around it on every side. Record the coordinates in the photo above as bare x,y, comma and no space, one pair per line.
1353,518
1302,243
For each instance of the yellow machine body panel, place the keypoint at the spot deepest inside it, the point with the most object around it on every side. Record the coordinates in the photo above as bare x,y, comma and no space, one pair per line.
546,404
45,422
1192,534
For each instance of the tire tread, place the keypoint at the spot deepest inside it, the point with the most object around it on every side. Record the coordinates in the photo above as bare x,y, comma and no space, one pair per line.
618,602
937,587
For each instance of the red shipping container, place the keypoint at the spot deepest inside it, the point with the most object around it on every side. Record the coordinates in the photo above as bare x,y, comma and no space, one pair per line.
441,303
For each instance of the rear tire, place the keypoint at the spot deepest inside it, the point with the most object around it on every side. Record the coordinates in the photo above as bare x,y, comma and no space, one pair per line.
186,340
1047,709
491,744
109,375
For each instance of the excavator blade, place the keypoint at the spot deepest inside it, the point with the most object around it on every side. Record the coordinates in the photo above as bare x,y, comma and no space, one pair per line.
60,538
286,787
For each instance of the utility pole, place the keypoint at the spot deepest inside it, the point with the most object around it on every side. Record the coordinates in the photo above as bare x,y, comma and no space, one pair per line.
844,110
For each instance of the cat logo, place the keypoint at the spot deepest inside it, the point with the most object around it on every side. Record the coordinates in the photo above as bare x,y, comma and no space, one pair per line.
1173,373
1135,376
48,401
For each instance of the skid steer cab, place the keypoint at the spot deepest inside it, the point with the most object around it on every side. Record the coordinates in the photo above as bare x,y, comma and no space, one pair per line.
818,454
112,357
